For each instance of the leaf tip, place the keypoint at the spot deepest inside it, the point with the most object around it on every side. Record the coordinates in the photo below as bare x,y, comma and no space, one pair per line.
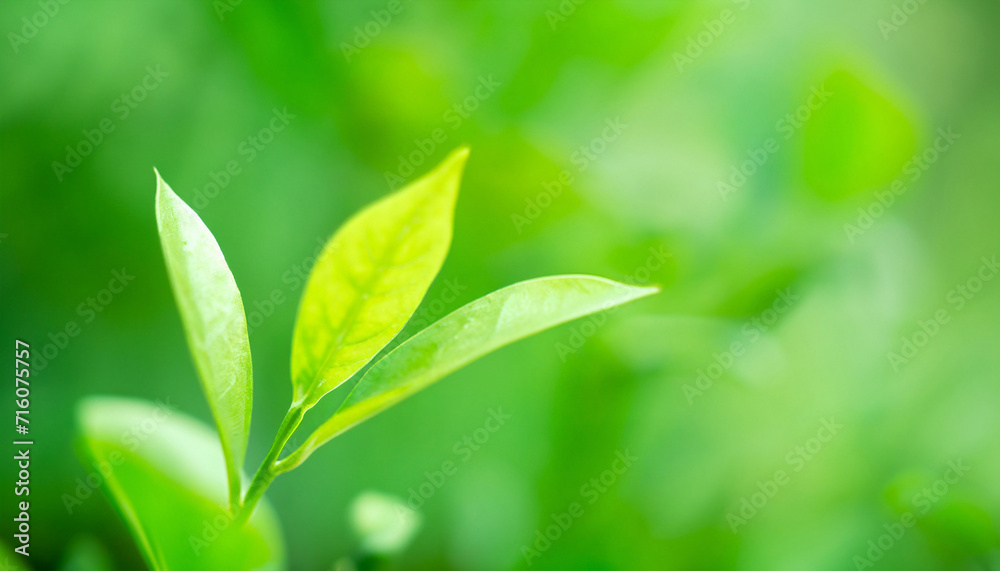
163,192
641,291
455,163
162,188
159,179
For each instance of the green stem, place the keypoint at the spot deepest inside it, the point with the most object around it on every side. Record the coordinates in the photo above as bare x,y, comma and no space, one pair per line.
267,471
294,458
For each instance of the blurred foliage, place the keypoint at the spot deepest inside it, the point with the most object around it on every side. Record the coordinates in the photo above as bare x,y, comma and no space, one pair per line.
702,88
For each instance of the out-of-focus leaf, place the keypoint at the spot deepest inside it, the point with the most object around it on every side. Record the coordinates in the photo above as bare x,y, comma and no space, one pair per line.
466,334
961,532
370,279
384,523
164,474
9,561
855,139
212,312
86,554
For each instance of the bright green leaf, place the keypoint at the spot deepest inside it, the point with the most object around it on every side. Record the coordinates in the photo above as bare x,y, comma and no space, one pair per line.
164,474
856,139
466,334
370,278
213,317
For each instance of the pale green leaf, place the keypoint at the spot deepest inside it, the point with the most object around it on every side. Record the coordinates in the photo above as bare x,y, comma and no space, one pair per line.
164,473
370,278
213,317
384,524
463,336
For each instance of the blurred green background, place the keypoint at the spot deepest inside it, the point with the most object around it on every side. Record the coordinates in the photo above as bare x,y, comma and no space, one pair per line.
814,182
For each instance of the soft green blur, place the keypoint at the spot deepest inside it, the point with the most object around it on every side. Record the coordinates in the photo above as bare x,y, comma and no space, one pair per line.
821,359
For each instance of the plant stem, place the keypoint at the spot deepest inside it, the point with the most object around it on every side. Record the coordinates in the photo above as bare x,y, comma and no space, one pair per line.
266,473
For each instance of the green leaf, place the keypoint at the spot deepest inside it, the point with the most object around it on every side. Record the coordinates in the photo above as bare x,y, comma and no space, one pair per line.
164,474
855,140
463,336
10,561
213,317
85,554
370,278
384,524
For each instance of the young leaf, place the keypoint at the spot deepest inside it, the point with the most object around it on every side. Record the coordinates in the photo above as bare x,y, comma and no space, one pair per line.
370,278
213,317
168,486
463,336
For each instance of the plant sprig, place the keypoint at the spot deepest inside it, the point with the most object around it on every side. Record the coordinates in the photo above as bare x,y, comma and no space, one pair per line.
367,282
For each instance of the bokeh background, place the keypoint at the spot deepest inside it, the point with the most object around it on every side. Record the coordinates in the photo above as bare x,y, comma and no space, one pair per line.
794,256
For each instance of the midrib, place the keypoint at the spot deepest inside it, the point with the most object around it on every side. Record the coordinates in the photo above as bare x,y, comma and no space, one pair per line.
355,310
